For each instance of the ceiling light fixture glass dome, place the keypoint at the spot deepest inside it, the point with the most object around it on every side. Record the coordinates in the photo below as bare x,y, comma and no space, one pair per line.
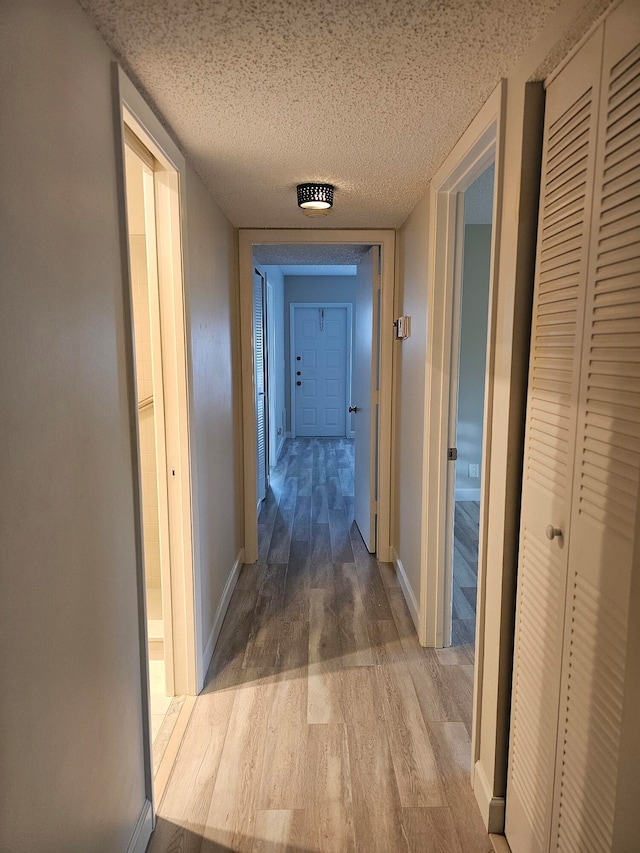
315,196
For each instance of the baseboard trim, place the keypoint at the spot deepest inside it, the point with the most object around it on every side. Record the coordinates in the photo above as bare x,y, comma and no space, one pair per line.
352,433
288,434
405,586
142,833
467,494
499,843
491,808
221,612
283,438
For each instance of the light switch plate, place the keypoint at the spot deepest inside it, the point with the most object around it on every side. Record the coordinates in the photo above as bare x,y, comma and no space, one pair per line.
403,327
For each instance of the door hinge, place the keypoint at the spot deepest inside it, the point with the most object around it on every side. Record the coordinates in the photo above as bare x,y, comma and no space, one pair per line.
452,454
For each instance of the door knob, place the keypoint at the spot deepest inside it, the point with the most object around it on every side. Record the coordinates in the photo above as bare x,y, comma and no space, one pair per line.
552,532
298,372
353,408
298,382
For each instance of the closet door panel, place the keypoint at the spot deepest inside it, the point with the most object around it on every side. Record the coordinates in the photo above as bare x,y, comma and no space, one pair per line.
558,314
607,469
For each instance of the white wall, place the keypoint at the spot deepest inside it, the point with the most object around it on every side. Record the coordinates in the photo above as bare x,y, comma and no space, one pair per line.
473,347
313,288
71,759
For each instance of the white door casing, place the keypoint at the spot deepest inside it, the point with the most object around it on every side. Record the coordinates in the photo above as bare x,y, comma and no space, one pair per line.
260,382
272,418
320,368
364,395
452,441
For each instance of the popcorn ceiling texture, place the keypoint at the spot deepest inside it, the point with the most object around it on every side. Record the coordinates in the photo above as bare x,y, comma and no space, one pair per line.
369,95
589,14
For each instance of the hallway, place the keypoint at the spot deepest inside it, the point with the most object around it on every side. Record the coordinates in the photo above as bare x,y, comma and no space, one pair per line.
323,724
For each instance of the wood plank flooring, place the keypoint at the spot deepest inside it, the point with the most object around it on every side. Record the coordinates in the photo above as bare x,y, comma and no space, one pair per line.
323,726
465,575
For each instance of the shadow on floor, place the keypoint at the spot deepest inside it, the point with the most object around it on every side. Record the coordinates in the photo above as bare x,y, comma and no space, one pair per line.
317,597
173,838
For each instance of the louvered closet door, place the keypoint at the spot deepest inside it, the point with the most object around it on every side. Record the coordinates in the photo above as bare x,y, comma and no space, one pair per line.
607,470
558,314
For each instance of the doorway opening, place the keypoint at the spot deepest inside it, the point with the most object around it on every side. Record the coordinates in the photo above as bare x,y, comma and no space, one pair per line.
152,450
481,145
321,319
466,424
152,174
309,392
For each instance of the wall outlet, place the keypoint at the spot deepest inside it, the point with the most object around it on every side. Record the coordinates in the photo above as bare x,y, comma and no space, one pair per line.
474,471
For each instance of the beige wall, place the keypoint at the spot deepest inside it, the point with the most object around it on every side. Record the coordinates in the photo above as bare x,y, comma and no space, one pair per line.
216,439
71,760
409,369
71,757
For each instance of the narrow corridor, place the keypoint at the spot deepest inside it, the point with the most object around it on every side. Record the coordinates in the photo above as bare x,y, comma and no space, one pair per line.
323,725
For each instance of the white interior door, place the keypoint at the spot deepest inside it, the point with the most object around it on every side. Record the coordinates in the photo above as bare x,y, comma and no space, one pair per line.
319,370
364,394
260,372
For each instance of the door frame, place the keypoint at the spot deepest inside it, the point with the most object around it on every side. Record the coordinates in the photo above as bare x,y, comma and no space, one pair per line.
454,382
247,239
265,381
482,143
133,142
169,182
348,360
272,451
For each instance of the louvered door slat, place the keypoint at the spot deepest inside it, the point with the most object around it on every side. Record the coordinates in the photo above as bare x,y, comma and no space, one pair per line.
607,469
561,265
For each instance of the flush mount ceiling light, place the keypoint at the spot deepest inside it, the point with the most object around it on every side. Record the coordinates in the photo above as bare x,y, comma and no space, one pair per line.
315,196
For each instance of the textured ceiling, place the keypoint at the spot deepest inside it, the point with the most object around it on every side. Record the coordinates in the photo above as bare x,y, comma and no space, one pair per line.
369,95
